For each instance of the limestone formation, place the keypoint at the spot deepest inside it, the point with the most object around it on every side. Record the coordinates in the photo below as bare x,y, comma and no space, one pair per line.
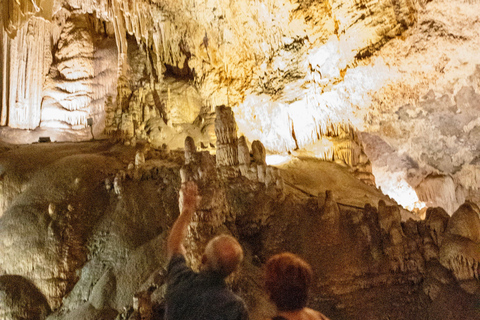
441,191
139,159
259,152
331,218
226,133
82,78
21,299
243,152
109,250
436,221
190,150
117,185
243,157
26,59
387,91
459,250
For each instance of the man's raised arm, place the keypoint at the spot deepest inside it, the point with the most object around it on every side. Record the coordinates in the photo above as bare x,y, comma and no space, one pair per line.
188,199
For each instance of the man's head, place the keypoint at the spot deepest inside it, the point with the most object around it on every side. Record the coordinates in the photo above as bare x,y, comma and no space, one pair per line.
222,255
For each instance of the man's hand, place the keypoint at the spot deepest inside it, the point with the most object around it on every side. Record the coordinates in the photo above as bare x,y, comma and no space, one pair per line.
188,198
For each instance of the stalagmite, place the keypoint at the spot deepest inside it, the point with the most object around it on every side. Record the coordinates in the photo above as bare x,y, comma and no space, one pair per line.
243,152
184,174
259,153
51,209
117,185
226,132
459,249
330,218
261,172
139,159
190,150
270,176
436,222
108,184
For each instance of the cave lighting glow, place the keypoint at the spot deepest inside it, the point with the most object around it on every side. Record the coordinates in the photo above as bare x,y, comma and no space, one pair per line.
278,159
395,186
327,96
324,98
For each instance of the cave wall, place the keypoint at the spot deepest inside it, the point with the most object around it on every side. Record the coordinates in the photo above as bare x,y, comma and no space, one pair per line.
273,62
25,61
302,77
86,229
264,58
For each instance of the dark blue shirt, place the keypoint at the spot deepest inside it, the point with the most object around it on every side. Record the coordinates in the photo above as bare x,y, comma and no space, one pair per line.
199,296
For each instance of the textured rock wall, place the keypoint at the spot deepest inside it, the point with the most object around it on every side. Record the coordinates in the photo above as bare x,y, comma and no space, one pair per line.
425,113
89,231
208,39
82,77
25,62
296,74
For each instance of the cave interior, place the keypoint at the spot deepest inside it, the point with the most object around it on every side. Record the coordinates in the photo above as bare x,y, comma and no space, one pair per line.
346,132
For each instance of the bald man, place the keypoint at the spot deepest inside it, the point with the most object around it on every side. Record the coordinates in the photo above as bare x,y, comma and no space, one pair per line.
204,295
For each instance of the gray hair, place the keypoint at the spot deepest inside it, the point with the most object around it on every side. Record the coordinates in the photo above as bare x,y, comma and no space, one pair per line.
223,254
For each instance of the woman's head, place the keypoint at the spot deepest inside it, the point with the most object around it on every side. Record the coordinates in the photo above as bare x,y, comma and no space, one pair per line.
287,280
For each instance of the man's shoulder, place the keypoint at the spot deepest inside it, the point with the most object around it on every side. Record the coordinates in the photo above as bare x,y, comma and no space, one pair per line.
235,309
236,305
176,261
178,270
177,257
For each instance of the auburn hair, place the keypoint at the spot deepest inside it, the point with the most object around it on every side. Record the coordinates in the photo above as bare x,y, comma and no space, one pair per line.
287,281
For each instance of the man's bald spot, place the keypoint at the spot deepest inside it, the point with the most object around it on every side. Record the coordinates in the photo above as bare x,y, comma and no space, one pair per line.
223,254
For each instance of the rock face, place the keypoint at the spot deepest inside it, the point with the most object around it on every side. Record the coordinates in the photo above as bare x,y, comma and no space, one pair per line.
176,62
97,251
26,60
157,71
231,83
82,77
20,299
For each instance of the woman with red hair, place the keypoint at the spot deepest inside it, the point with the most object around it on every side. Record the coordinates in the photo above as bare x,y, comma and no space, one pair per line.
287,281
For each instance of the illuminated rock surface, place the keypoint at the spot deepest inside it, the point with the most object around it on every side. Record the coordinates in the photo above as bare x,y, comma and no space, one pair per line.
387,92
95,253
300,76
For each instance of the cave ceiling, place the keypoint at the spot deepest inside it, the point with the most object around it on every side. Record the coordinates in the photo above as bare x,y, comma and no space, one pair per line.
400,77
